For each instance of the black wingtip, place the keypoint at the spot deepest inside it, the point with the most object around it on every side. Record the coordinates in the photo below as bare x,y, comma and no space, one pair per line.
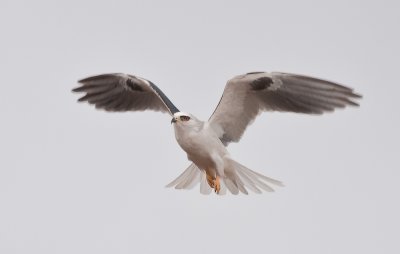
352,103
98,77
84,80
354,96
91,78
77,89
255,72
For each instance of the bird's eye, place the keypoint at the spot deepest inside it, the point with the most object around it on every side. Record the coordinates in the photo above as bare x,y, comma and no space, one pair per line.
184,118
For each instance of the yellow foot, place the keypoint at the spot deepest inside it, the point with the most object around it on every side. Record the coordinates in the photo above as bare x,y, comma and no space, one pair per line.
210,180
217,185
214,183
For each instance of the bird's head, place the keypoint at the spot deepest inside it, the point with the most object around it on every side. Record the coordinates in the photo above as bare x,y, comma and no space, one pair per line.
182,120
181,117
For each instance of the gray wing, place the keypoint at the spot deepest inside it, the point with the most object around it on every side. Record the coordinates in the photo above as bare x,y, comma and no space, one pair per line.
123,92
248,95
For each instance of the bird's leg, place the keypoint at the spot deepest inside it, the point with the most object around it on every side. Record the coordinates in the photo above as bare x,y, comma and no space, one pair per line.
210,180
217,185
214,183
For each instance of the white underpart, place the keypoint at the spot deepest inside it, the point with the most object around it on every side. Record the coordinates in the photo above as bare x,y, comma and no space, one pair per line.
209,155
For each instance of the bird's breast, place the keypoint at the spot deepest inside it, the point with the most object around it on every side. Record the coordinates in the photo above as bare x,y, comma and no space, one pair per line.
200,146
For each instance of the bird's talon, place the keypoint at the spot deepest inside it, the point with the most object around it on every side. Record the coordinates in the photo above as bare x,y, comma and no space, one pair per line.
214,183
217,185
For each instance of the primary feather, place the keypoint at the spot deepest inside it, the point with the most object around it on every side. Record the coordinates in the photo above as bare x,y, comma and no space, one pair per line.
246,96
122,92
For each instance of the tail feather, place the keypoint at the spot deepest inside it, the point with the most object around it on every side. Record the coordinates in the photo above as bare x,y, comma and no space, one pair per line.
187,179
237,178
249,183
191,177
240,186
266,178
234,183
256,180
232,187
205,189
190,180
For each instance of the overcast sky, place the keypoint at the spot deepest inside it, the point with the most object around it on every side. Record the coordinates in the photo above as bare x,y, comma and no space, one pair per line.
77,180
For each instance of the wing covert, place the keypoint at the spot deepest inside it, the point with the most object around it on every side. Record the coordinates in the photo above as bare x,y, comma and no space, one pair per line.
248,95
122,92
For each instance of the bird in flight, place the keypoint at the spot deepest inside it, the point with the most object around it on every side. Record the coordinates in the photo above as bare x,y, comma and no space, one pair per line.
205,142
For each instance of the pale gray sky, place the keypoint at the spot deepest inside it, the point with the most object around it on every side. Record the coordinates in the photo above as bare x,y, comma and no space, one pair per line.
77,180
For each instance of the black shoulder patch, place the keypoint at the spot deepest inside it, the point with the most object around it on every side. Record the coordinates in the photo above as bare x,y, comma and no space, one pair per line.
164,98
261,83
133,86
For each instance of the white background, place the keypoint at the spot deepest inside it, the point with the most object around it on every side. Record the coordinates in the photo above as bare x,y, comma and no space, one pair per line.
77,180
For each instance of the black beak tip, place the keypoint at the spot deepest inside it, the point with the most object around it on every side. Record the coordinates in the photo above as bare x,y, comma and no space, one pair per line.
173,120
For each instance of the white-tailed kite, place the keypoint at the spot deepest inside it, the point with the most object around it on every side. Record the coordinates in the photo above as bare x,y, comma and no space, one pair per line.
245,97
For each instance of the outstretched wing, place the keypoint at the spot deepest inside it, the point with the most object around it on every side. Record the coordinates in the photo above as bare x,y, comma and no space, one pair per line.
122,92
248,95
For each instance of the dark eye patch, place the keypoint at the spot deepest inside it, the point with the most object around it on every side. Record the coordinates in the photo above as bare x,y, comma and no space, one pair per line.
184,118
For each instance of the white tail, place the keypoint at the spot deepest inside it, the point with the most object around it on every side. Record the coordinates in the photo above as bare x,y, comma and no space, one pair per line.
238,178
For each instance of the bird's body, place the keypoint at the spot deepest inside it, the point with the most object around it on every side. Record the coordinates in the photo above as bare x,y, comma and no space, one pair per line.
202,145
211,158
205,142
203,150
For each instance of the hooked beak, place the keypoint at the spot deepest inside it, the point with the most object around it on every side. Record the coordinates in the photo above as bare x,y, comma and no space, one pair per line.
173,120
